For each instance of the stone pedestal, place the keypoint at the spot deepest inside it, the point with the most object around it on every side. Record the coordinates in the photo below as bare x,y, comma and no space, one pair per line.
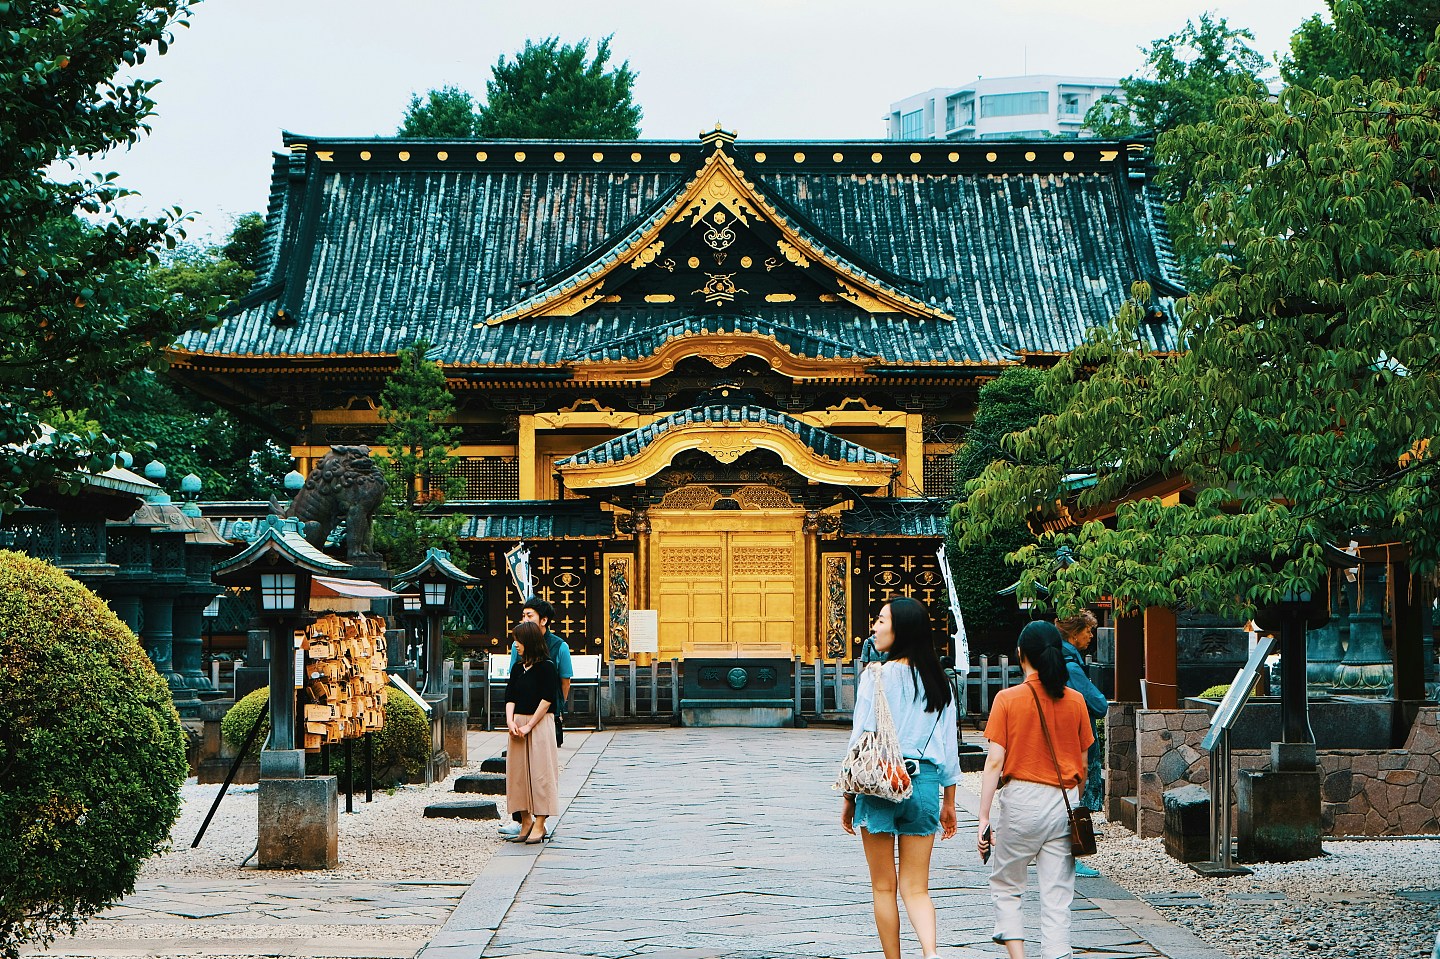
456,728
1279,815
1187,823
299,823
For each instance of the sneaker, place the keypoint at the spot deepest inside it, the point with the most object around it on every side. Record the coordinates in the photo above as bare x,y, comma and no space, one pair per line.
1088,872
510,829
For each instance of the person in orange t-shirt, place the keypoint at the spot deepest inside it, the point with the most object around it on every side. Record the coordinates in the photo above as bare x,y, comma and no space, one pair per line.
1020,772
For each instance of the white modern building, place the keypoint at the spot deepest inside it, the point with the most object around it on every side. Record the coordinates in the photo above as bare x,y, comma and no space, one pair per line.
999,108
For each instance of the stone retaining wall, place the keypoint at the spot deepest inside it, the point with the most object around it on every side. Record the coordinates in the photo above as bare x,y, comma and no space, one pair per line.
1364,792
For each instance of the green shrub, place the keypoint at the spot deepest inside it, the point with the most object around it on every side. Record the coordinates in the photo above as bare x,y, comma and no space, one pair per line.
401,748
241,717
1215,692
92,754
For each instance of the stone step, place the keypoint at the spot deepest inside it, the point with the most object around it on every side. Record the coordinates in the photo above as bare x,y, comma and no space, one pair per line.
463,809
488,783
495,764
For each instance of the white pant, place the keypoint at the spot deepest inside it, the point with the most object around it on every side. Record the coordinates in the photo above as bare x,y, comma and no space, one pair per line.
1030,823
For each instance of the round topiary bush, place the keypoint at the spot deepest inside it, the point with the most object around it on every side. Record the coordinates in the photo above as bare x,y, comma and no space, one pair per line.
92,754
240,717
401,748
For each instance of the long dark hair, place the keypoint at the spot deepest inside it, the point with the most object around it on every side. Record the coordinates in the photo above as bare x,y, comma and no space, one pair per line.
1040,645
915,643
532,642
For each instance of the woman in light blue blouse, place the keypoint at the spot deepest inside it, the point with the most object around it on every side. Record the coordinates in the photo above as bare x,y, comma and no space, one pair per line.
923,708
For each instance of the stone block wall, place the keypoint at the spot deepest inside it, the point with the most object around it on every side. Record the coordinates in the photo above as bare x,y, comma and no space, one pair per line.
1380,792
1121,766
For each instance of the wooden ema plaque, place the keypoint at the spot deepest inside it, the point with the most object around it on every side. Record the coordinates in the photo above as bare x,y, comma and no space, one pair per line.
346,683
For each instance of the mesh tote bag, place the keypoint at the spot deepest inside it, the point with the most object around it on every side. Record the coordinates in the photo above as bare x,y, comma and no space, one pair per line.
874,766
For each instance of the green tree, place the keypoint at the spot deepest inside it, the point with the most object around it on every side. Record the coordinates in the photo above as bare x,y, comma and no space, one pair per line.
1371,39
446,113
1186,75
416,408
550,90
1006,404
72,317
92,754
155,417
1305,406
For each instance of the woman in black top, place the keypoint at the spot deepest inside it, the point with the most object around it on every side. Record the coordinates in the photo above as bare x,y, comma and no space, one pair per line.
532,764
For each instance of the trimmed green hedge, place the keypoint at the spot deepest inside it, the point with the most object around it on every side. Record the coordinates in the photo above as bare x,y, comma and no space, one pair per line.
401,748
92,754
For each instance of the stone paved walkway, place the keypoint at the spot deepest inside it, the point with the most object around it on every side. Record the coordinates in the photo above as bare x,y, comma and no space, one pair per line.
726,843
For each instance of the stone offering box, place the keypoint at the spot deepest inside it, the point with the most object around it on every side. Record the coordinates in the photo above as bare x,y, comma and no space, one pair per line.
738,692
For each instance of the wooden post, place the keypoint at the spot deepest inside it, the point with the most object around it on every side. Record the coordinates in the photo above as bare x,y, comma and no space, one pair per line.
1129,657
984,683
1161,673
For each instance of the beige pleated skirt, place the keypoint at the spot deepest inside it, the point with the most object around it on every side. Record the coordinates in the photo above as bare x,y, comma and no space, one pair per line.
532,770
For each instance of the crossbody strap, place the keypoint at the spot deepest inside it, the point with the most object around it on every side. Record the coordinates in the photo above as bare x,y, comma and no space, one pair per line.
1045,728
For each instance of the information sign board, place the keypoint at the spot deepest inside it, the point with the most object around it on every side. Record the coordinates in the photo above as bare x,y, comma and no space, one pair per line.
644,631
1229,708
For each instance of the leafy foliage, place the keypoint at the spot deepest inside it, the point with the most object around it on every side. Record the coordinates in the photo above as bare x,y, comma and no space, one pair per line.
74,315
550,90
235,457
446,113
1371,39
1186,76
416,407
1304,406
401,748
92,754
1006,404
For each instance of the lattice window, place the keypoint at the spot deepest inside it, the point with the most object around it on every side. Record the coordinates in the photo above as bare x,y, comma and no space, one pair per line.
690,497
489,477
35,534
130,548
237,608
940,475
763,497
470,615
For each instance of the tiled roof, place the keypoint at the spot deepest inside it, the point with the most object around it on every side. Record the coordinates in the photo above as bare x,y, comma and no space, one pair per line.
820,442
896,517
367,256
484,519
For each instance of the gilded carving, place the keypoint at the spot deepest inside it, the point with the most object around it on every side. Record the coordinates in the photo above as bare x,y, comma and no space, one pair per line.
690,561
791,253
690,497
647,256
837,605
618,607
763,560
717,235
722,360
763,497
720,288
726,449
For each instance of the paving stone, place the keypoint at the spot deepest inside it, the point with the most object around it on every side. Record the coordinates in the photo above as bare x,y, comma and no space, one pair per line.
463,809
495,764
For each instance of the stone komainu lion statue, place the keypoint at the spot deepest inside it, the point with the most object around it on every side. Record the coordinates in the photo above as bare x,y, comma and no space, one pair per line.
345,485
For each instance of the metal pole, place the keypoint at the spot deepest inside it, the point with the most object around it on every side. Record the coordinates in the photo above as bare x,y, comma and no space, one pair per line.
349,775
369,768
654,687
234,768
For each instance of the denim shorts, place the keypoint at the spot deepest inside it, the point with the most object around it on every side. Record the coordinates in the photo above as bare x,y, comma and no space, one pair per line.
917,816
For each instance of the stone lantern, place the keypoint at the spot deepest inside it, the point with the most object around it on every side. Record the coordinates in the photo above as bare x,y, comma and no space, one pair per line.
437,579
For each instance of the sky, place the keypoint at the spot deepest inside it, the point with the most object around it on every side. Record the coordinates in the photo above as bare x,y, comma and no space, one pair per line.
769,69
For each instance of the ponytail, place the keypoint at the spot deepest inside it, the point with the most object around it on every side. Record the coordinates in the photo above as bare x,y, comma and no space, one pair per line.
1040,646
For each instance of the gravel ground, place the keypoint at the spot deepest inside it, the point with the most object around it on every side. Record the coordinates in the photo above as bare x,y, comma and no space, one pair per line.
383,841
1341,906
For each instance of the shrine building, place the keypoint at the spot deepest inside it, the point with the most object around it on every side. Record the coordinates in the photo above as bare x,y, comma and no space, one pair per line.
719,379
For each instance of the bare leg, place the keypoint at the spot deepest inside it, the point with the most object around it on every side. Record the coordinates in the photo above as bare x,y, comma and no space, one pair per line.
880,857
537,830
915,888
1016,947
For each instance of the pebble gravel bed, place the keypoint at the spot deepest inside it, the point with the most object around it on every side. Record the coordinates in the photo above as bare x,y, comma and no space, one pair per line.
386,840
1347,904
1344,905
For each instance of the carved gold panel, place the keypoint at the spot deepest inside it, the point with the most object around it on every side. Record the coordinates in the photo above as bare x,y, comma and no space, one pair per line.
619,577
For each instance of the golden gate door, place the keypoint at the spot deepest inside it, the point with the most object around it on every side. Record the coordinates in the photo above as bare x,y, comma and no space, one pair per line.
729,583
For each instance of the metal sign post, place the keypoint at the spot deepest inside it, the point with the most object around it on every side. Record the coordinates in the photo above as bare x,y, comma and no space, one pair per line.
1217,741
